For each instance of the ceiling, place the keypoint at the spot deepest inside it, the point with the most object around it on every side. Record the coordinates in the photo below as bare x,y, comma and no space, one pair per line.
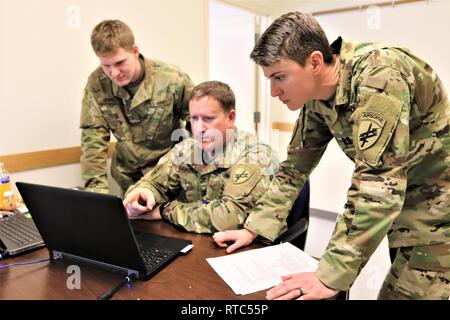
275,7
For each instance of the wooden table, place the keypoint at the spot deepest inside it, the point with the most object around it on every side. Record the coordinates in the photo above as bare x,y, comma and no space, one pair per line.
189,277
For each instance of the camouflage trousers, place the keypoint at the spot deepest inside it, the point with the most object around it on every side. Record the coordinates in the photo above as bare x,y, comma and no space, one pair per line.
419,273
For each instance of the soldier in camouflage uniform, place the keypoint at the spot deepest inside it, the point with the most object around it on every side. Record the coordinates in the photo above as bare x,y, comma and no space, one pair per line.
390,114
209,182
140,101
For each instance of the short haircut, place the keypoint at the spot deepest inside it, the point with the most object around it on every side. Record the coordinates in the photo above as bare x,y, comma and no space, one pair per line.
217,90
110,35
294,35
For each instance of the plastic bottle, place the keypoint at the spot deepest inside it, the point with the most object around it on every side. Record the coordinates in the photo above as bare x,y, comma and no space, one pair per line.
7,198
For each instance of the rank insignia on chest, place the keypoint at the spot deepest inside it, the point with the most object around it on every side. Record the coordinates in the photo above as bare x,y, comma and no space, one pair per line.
241,174
370,128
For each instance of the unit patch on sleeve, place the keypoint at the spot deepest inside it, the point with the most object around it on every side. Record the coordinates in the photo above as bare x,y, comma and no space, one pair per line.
370,128
242,173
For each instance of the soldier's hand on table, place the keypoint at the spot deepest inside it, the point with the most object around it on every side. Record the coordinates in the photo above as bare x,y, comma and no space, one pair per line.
237,238
138,202
300,286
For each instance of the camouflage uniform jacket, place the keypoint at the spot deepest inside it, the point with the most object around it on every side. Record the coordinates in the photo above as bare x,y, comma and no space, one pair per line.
390,115
142,124
215,196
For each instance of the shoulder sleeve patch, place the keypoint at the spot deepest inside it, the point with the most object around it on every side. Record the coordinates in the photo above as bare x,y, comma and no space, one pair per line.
243,179
370,128
241,174
375,124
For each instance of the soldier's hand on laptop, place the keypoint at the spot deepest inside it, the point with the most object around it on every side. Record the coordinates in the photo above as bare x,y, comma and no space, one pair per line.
152,215
139,201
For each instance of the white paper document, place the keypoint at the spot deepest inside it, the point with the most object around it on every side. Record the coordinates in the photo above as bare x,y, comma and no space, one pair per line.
259,269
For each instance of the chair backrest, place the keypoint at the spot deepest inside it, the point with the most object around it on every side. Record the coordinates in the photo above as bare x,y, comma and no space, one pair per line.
297,220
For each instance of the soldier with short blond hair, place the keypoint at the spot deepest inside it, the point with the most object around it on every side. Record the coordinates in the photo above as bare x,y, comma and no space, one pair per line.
389,113
140,101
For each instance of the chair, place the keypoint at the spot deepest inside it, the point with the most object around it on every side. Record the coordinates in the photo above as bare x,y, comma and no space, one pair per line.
392,254
297,220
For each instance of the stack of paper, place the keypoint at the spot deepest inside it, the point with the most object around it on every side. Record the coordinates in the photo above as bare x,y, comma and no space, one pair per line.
260,269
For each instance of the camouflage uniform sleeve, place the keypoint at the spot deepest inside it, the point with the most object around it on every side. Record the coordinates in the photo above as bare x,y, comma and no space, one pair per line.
162,180
376,196
95,137
308,143
182,104
249,179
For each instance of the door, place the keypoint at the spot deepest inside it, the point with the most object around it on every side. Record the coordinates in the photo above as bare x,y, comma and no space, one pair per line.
232,33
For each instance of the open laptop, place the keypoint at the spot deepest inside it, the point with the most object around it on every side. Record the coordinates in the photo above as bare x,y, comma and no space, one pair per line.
93,228
18,234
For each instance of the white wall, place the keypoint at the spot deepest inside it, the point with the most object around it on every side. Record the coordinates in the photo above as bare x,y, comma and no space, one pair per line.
422,27
231,38
45,59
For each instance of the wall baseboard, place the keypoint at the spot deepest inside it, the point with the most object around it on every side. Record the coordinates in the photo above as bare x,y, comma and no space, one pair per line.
323,214
283,126
45,158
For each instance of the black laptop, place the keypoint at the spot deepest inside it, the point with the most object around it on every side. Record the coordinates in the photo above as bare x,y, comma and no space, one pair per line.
93,228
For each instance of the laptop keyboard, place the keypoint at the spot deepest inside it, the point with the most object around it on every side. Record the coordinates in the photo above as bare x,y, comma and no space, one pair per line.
19,229
154,257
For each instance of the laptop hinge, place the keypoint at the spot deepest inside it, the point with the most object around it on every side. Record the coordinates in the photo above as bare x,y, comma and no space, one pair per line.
103,265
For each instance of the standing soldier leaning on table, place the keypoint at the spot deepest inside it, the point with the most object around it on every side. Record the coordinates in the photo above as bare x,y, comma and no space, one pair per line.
209,182
141,101
390,114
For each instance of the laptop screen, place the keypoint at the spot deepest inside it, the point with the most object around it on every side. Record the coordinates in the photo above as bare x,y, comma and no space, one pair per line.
85,224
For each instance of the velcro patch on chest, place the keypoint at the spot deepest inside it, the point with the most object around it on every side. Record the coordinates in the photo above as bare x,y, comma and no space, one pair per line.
370,128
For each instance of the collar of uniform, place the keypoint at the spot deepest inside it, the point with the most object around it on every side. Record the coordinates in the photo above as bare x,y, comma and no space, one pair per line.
228,157
203,169
120,92
223,160
346,51
196,160
326,109
145,90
